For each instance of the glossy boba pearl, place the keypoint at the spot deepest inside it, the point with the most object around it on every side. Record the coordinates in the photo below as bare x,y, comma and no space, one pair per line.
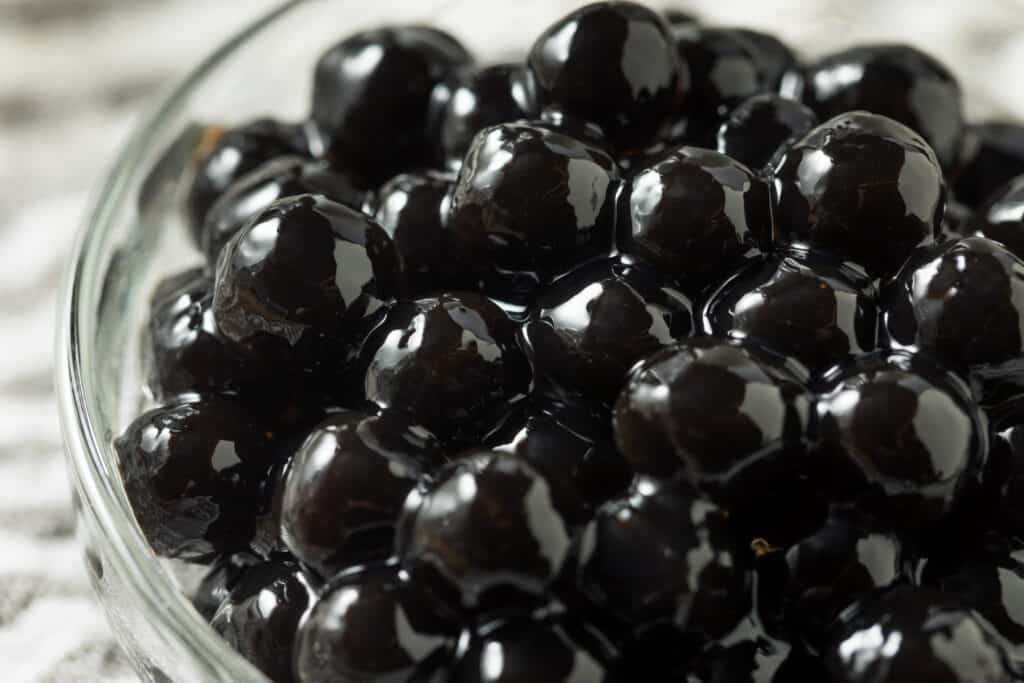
960,303
862,188
373,626
530,652
493,530
476,99
918,635
187,352
807,308
448,362
588,329
727,66
696,214
261,616
612,63
227,155
194,472
413,209
897,81
304,281
565,444
900,437
1008,455
662,554
347,485
371,97
277,179
992,155
1001,218
835,567
711,408
530,204
757,129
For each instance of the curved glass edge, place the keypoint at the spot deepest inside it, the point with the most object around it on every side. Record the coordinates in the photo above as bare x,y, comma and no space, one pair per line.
99,500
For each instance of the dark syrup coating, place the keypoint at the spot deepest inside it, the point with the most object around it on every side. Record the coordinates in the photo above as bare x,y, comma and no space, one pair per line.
897,81
915,634
493,530
862,188
371,97
253,193
530,204
588,329
451,363
810,309
613,64
346,487
304,282
261,616
373,626
695,215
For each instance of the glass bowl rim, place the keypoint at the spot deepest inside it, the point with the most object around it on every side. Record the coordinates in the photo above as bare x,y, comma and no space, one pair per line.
87,448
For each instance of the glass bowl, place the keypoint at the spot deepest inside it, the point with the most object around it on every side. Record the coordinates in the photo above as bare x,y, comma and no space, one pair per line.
134,235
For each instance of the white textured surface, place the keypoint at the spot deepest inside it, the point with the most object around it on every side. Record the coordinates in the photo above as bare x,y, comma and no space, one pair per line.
75,74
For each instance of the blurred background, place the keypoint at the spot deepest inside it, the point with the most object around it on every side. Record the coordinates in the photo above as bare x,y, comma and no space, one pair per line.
75,75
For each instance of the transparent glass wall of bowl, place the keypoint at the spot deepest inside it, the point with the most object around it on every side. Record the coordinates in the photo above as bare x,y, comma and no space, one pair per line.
135,236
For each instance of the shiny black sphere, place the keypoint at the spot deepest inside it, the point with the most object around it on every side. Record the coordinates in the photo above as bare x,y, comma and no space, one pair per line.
531,204
663,554
761,126
727,66
862,188
474,99
992,155
960,303
916,634
371,97
901,437
587,330
304,282
810,309
346,487
614,64
195,471
261,616
413,209
493,531
897,81
450,363
695,215
225,156
277,179
373,626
